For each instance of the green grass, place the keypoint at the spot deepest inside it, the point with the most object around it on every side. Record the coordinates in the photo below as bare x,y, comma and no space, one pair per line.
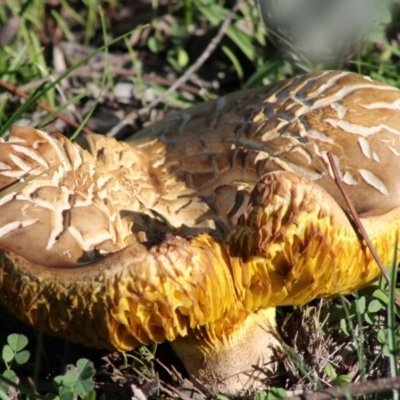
351,339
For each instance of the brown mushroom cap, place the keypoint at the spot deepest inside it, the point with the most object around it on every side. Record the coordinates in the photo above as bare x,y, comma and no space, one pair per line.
200,225
290,125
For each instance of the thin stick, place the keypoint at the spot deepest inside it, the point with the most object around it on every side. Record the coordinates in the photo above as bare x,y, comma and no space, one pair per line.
196,65
353,389
114,70
359,225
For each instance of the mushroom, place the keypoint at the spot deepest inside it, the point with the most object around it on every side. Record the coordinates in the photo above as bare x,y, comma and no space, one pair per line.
195,229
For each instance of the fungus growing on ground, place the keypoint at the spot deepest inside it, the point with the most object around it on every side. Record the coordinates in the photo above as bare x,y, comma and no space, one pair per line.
195,229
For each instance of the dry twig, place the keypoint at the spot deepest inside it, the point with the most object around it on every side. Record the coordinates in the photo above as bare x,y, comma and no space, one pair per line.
131,117
353,389
114,68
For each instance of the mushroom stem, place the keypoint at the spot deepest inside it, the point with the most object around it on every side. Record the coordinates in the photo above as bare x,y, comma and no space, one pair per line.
244,360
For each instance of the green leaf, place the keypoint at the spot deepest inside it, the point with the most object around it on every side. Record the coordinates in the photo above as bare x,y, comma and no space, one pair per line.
276,393
78,382
68,396
382,336
258,396
65,383
154,44
10,375
17,342
70,378
385,16
236,63
377,35
361,305
214,13
22,357
343,326
368,319
260,76
51,396
3,386
330,371
84,387
3,395
374,306
381,295
179,34
173,98
341,380
91,396
86,373
3,390
242,40
86,369
183,58
171,58
386,351
7,354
